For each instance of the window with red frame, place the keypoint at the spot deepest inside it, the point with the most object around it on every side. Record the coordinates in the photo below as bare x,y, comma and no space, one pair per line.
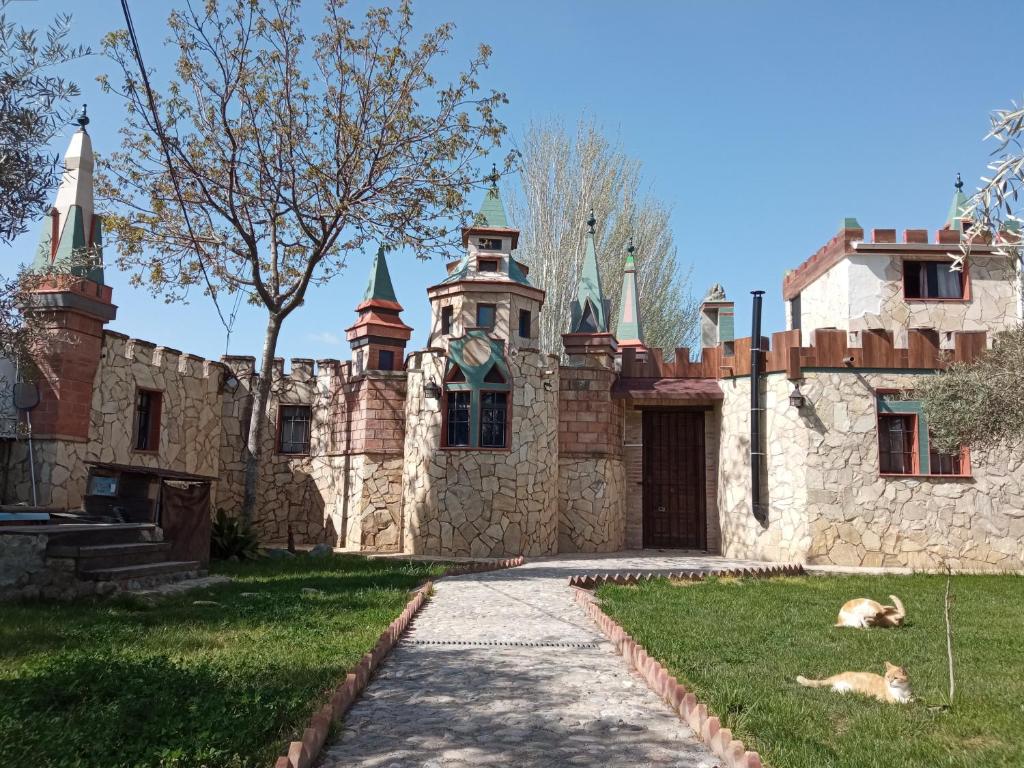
148,404
932,280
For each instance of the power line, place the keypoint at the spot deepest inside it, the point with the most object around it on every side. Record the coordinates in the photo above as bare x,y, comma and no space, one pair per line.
164,146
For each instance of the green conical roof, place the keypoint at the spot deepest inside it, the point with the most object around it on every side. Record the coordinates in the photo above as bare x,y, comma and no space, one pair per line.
957,208
629,328
492,210
590,308
380,286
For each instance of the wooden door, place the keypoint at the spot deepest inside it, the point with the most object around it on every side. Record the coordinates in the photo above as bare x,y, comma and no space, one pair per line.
674,499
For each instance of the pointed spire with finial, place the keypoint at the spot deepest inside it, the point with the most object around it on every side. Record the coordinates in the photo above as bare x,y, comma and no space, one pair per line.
492,210
629,328
379,325
72,234
380,287
590,309
955,217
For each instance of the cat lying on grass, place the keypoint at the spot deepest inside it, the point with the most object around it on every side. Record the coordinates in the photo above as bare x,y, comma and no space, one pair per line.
863,613
892,688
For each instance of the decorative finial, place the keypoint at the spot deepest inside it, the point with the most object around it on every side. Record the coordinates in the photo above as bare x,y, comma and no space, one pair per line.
591,221
493,178
631,249
83,119
959,183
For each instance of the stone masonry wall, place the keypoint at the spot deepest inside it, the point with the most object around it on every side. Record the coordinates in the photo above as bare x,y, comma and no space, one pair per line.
483,503
828,502
190,424
591,473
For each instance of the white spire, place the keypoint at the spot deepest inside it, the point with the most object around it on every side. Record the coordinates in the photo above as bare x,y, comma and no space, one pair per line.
76,182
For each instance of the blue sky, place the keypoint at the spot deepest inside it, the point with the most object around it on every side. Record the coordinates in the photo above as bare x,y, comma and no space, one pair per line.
762,124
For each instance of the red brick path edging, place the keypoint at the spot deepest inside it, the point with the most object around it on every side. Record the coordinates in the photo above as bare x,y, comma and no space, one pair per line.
694,713
301,754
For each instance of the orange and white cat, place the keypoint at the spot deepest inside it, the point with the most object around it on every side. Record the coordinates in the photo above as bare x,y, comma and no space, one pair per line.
893,687
863,613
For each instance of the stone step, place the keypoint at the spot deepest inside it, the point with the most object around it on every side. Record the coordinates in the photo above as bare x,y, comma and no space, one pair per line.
97,534
145,571
95,557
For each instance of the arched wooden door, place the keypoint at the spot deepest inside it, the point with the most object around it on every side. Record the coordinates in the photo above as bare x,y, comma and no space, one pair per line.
674,498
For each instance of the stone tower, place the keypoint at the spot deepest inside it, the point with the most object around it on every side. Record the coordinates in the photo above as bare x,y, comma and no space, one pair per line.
73,301
379,336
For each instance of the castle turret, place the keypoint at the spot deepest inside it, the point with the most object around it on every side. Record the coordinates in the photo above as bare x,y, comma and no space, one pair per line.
379,336
71,299
487,289
589,339
957,208
629,328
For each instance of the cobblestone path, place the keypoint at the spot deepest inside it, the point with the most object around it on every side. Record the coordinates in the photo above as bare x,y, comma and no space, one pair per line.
503,669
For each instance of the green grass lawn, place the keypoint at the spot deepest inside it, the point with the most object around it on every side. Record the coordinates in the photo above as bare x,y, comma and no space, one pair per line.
125,683
738,644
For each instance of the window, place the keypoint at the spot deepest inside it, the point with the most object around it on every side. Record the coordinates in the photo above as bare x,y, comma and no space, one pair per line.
147,419
385,360
485,316
525,321
795,311
904,442
458,418
897,444
489,243
487,265
493,410
293,429
446,320
932,280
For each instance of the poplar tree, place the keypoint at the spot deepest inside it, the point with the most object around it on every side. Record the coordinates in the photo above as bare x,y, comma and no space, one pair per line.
566,174
272,155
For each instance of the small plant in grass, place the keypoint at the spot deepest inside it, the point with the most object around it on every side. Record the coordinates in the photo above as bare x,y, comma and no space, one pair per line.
231,537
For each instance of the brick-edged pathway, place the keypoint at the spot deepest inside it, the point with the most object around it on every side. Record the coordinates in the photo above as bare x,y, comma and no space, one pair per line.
504,669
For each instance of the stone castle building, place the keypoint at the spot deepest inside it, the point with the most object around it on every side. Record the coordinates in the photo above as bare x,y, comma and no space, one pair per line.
482,444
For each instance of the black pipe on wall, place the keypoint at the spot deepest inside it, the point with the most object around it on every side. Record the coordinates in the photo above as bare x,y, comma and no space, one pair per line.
756,454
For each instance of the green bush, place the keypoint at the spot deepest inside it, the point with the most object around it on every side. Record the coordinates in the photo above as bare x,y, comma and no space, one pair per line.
232,537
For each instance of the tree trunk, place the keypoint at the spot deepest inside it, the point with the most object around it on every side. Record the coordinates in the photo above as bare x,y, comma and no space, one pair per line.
260,398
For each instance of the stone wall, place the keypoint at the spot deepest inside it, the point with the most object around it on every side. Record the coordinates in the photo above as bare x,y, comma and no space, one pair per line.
347,490
483,503
829,504
190,424
786,537
591,504
865,291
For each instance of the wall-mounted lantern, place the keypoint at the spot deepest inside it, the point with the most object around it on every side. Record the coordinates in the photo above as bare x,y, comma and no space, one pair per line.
430,389
796,398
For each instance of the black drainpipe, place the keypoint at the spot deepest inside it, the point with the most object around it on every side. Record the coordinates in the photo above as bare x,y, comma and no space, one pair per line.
756,454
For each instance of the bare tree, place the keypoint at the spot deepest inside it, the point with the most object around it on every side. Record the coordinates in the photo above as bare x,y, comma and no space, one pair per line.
33,109
274,155
566,174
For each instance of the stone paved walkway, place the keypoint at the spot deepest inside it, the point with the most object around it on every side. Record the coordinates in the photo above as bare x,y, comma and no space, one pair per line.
504,669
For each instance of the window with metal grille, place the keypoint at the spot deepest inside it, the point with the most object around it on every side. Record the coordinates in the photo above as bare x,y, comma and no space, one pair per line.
897,443
147,419
945,463
932,280
458,418
293,429
493,417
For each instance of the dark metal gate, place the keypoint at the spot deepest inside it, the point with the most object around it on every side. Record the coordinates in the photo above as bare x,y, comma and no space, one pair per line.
674,497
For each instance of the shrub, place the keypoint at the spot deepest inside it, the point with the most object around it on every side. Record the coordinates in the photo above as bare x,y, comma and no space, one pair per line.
232,537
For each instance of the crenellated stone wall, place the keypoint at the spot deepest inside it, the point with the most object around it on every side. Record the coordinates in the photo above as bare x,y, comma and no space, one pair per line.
190,424
483,503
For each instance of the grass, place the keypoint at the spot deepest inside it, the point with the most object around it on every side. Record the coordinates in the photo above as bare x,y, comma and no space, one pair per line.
739,644
174,684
